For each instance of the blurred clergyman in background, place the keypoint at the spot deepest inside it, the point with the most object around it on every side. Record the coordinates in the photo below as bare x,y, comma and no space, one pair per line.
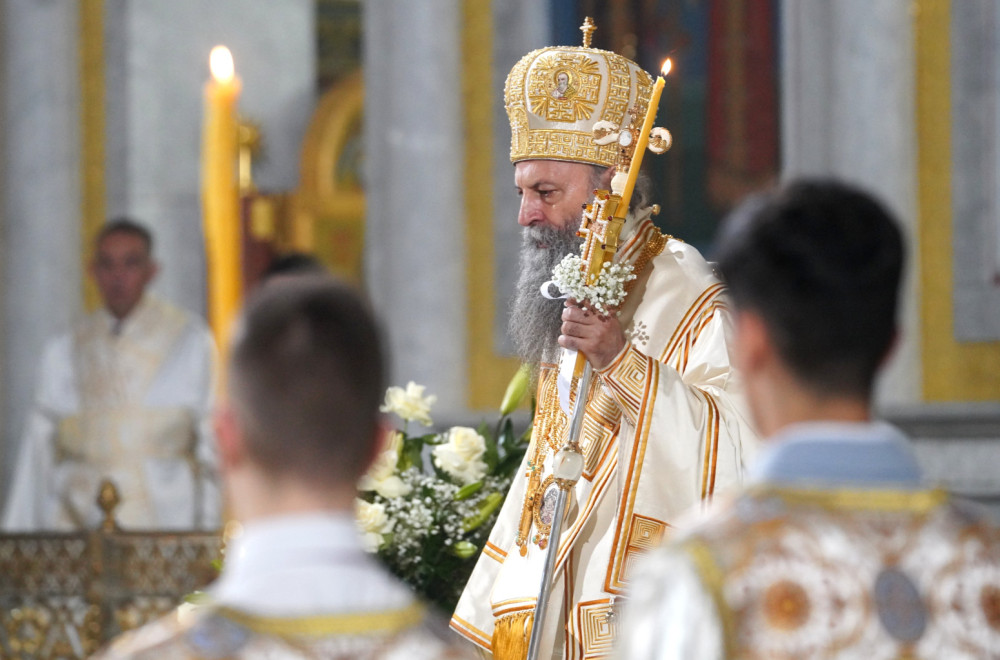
836,548
125,395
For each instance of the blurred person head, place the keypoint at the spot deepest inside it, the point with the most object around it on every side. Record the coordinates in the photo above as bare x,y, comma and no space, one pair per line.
123,265
306,377
293,264
814,270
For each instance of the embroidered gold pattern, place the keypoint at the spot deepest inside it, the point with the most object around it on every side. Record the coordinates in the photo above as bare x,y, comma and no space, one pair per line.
644,534
653,248
552,110
597,629
798,573
785,605
564,87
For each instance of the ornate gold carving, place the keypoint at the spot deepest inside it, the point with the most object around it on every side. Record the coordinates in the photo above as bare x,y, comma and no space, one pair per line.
66,595
108,499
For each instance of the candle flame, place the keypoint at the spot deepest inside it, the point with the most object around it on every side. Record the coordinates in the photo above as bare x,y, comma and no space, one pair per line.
667,65
220,61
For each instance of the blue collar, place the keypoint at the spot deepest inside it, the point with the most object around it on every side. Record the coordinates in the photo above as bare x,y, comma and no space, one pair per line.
837,454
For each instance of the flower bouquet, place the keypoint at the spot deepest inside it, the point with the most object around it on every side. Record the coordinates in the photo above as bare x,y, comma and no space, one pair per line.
428,503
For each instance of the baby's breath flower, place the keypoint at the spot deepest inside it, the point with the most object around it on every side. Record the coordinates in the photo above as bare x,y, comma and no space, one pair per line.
606,293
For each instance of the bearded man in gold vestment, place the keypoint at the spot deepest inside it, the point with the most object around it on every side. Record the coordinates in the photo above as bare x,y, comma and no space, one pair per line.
665,428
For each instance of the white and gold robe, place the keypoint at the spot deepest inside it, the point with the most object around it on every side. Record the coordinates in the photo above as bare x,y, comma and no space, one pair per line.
126,400
837,549
296,587
665,430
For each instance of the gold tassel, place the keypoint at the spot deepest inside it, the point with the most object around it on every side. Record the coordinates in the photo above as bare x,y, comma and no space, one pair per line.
511,635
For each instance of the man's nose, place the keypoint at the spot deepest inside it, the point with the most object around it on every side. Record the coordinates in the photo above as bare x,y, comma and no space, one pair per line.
529,213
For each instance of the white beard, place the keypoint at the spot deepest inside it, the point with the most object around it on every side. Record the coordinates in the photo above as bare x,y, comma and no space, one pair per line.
535,321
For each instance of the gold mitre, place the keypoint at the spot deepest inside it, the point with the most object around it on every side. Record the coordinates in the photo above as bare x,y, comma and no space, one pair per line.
555,96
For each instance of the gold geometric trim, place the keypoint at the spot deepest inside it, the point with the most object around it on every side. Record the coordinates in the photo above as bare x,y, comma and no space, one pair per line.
388,621
470,632
917,501
711,576
644,534
598,630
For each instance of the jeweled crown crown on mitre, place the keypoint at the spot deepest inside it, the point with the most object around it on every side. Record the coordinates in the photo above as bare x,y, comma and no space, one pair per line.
556,97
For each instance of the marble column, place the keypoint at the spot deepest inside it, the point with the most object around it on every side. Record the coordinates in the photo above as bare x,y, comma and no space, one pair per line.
414,244
848,112
975,83
414,144
41,205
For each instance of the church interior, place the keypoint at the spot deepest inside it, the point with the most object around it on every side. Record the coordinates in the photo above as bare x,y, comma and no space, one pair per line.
373,135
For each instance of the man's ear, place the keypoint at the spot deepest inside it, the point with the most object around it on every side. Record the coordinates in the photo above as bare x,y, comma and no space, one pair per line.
753,346
154,270
229,439
890,351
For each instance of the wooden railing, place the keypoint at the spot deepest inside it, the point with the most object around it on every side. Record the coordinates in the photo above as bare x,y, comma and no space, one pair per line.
64,595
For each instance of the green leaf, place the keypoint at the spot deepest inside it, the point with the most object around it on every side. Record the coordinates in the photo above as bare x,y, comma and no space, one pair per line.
411,455
491,454
464,549
467,491
486,509
198,598
516,389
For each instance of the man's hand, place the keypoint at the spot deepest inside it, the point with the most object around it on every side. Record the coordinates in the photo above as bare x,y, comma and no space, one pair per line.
598,337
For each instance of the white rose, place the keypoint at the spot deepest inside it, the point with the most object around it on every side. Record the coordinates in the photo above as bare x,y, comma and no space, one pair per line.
461,455
381,476
373,523
410,404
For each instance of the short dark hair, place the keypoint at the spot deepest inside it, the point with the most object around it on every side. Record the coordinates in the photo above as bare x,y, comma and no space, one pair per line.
293,263
307,374
820,262
123,225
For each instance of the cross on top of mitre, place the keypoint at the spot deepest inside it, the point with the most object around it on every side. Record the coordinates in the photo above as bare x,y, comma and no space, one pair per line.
588,29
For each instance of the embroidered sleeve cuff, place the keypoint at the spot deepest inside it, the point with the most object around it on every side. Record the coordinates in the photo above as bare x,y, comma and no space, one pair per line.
628,377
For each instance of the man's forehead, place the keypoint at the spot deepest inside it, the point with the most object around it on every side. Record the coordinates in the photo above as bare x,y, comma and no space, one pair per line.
528,173
122,242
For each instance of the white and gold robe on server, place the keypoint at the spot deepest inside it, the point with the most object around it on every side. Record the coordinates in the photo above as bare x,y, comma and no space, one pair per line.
664,431
126,400
837,550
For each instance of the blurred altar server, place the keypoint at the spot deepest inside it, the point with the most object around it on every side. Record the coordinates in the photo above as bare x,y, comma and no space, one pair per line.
836,548
300,427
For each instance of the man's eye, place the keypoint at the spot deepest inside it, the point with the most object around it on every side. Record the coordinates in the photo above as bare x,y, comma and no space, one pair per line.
545,193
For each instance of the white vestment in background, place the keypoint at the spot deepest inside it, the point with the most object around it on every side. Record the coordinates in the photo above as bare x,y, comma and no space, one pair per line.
126,400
